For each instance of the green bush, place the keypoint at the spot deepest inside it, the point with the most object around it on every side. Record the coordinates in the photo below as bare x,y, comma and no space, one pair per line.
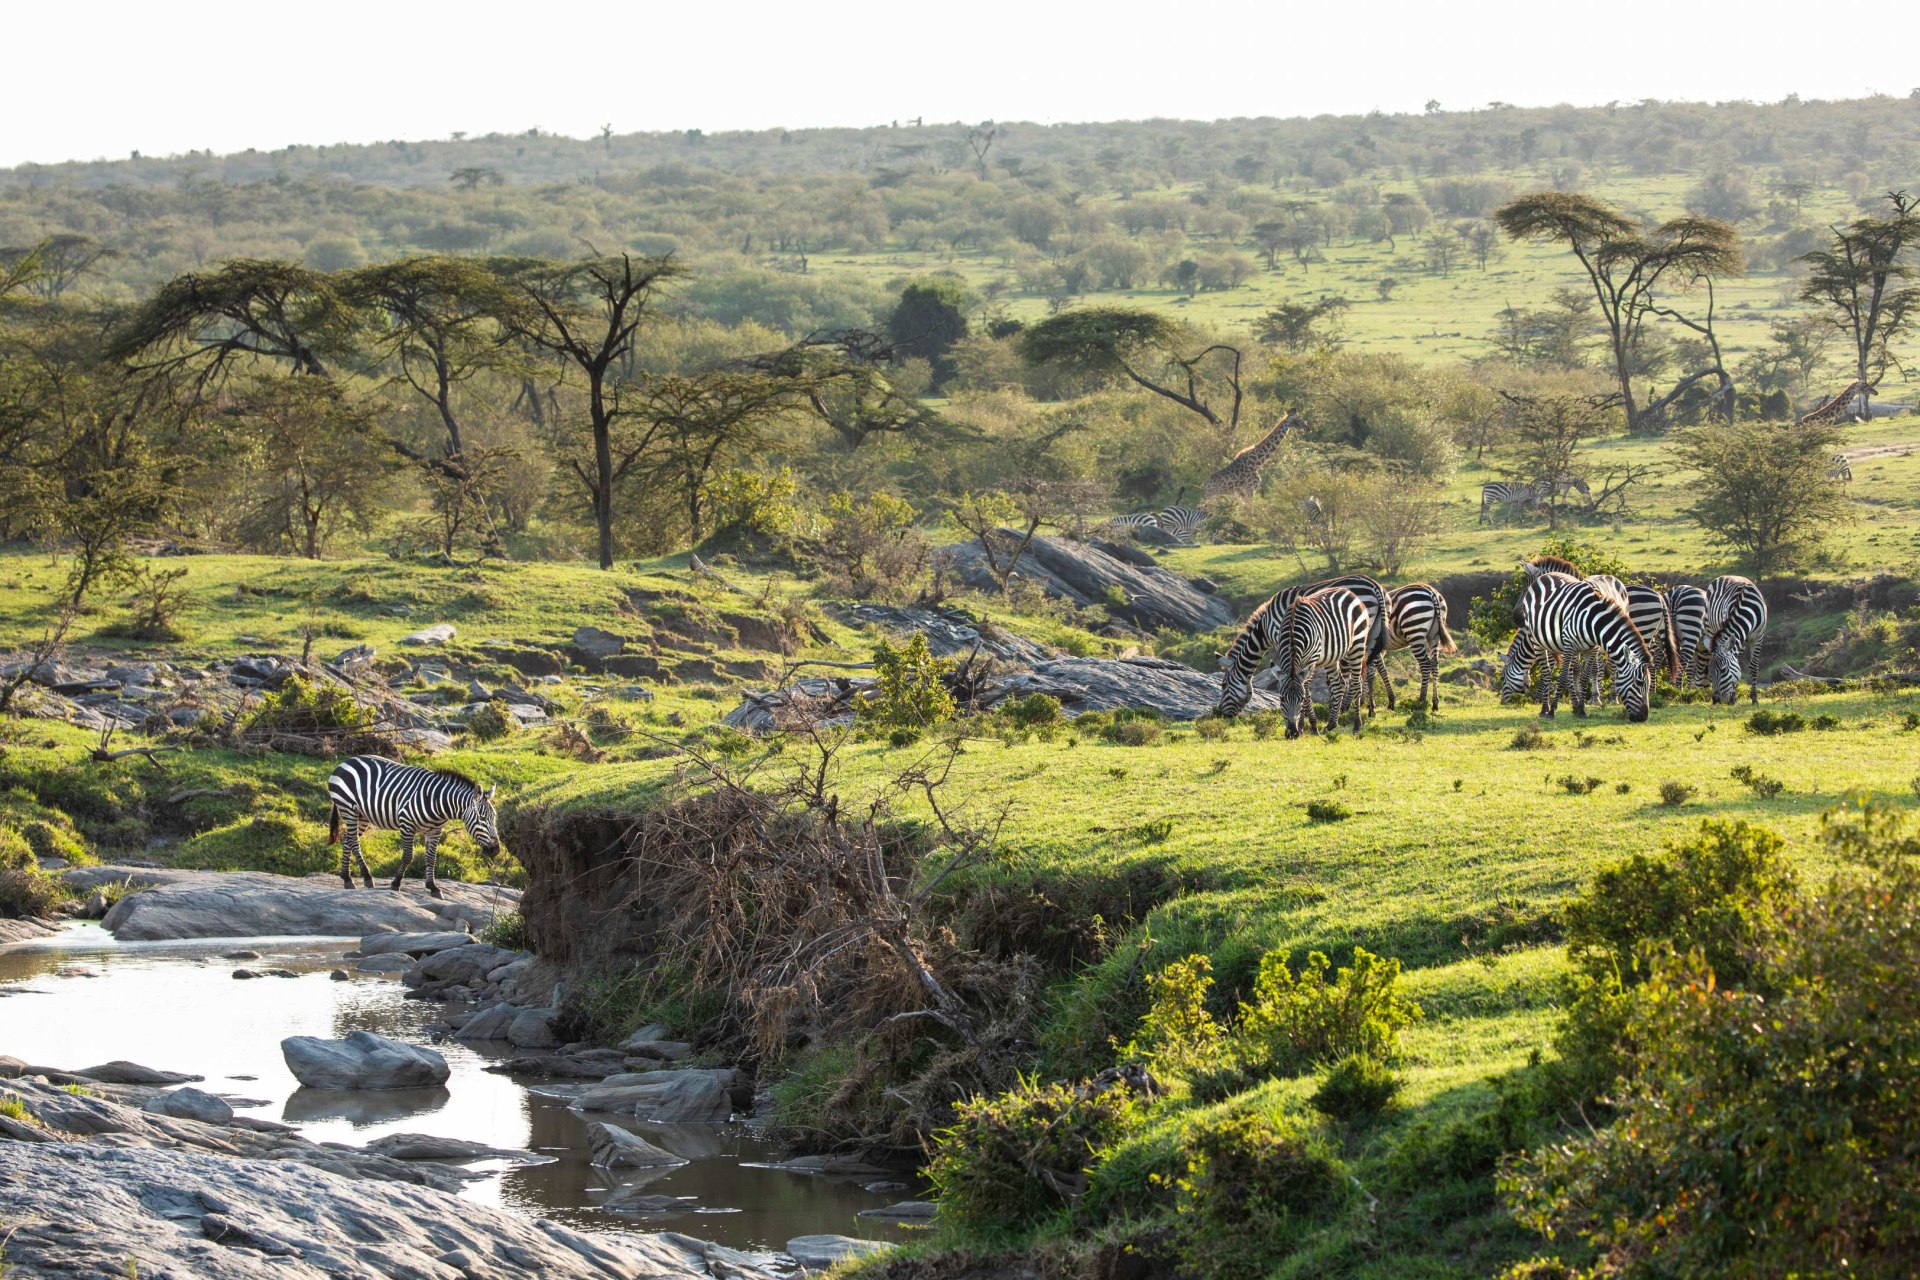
507,929
1294,1024
1014,1160
1764,1130
1327,811
1529,739
1033,711
1255,1185
1177,1036
1578,786
491,721
1356,1087
25,890
1133,733
1770,723
1675,794
306,706
910,691
1212,728
1759,783
1267,723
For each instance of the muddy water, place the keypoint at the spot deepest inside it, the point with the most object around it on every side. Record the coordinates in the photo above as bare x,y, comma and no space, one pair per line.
81,998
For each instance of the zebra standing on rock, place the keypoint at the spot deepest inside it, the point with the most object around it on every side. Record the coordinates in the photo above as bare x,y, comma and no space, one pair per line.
1327,631
371,793
1687,604
1569,622
1266,627
1417,621
1736,622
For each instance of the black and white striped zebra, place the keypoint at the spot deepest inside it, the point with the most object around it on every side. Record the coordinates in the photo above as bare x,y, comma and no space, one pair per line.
1417,622
1653,619
1177,522
1687,604
371,793
1260,637
1314,510
1736,623
1840,468
1326,631
1501,493
1568,622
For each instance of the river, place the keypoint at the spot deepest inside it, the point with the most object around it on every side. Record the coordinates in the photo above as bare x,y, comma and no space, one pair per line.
81,998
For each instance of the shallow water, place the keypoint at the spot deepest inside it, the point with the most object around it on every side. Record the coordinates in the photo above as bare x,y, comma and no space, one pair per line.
81,998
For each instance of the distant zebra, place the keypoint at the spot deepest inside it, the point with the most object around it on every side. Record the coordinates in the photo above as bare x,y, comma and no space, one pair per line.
1736,622
371,793
1178,523
1508,493
1313,509
1687,604
1569,622
1326,631
1840,468
1261,634
1417,621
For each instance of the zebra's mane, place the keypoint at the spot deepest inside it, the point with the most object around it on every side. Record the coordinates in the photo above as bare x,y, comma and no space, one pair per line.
454,775
1555,564
1254,632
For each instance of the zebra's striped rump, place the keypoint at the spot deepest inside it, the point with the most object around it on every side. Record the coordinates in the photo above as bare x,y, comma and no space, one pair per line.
1260,638
1687,606
1325,631
372,793
1736,624
1178,523
1654,621
1417,621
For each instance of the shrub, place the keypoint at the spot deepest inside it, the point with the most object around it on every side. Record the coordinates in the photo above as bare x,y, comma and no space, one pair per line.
1266,724
1294,1024
1674,794
1356,1087
1033,711
1177,1036
1327,811
1211,728
491,720
1773,723
307,706
1529,739
871,549
1133,733
1578,786
507,929
1825,723
1759,783
1013,1160
911,691
1254,1185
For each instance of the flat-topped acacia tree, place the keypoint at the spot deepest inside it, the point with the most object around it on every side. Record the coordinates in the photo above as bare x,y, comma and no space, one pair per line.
1143,347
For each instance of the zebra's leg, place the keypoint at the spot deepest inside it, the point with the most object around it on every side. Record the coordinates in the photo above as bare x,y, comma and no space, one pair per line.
431,839
1430,677
1556,673
406,858
350,843
1753,674
1364,676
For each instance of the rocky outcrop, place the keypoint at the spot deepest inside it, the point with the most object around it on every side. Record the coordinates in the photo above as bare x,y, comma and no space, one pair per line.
1104,684
667,1097
817,1253
949,632
191,1104
438,633
1146,597
615,1148
245,904
362,1061
412,944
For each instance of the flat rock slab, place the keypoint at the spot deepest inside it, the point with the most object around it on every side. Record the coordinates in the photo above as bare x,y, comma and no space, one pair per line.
120,1071
1150,598
362,1061
1176,691
819,1252
412,944
254,904
212,1217
615,1148
421,1146
904,1211
670,1097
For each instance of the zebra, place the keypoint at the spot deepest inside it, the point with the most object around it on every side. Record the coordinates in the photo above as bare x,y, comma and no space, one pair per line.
1508,492
1736,621
1313,509
372,793
1840,468
1687,605
1263,631
1329,631
1178,523
1547,576
1417,620
1653,619
1570,621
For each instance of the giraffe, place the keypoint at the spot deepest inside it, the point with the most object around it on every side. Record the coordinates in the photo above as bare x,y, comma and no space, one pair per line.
1838,409
1240,478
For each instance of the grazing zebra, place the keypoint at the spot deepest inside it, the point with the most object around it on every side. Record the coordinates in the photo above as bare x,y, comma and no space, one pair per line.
1417,621
1687,605
1840,468
1327,631
1265,627
1736,621
1653,619
1506,493
1314,509
1547,577
1569,622
1178,523
370,793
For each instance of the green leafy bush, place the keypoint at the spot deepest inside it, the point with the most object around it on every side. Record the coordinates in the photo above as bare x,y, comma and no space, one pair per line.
1759,783
1133,732
1033,711
1212,728
491,720
25,890
910,691
1016,1159
1266,724
1675,794
1327,811
507,929
311,706
1177,1036
1769,723
1356,1087
1529,738
1293,1024
1255,1185
1577,786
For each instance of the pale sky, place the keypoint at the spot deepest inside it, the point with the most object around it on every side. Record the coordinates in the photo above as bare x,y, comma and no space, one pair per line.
110,77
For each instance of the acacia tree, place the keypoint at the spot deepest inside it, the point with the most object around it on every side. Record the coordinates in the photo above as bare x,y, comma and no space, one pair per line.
1303,326
840,375
1858,280
1763,488
1544,431
697,423
54,265
1633,272
204,326
310,462
584,316
1143,347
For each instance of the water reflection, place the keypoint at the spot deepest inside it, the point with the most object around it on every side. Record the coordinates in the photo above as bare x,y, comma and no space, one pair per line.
176,1006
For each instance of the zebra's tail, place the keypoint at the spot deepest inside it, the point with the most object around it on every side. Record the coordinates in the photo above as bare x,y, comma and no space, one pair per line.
333,823
1673,645
1443,638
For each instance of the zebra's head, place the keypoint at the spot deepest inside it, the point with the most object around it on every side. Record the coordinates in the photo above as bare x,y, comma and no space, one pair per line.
1518,671
1633,678
1723,669
1296,704
483,824
1236,688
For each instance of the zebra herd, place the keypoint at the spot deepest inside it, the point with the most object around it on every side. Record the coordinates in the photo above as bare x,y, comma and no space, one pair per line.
1509,493
1179,523
1584,631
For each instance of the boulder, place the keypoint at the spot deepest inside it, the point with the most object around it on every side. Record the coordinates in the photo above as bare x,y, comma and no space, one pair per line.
249,904
950,633
392,962
615,1148
662,1050
816,1253
649,1034
598,644
362,1061
456,965
1104,684
670,1097
491,1023
355,660
421,1146
120,1071
413,944
533,1029
190,1104
438,633
904,1211
1148,597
